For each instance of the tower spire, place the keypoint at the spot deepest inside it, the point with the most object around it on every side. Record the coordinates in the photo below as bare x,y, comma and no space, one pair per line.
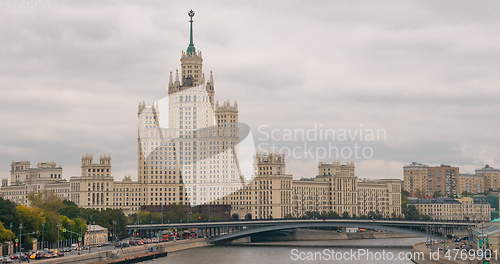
191,49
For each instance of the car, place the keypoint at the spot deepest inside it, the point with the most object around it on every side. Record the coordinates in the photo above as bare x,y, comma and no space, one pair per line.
39,254
6,259
47,255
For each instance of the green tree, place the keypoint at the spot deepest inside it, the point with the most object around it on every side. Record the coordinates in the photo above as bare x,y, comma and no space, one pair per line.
8,213
46,200
6,234
31,219
410,212
345,215
437,194
70,209
176,213
112,219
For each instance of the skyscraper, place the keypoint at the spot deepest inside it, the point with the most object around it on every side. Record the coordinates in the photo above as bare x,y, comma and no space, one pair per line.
194,159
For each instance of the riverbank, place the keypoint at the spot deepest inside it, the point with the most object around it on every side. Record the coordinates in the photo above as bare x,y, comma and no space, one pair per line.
130,254
424,255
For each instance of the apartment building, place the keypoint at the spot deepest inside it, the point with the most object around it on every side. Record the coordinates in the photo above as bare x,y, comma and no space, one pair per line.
491,177
415,177
471,183
454,209
423,180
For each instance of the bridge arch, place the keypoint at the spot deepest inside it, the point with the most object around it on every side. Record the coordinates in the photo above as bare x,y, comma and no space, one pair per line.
280,227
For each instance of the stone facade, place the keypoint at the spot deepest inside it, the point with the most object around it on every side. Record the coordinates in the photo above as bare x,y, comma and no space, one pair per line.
97,189
274,194
415,177
454,209
422,180
491,177
95,235
471,183
46,176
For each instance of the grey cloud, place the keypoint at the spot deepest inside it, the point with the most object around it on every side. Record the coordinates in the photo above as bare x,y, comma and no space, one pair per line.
72,73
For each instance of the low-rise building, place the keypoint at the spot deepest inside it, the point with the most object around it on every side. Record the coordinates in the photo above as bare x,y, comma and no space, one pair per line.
95,235
24,179
97,189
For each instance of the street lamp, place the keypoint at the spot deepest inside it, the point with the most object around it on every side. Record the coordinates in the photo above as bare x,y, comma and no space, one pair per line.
114,231
43,229
20,236
58,230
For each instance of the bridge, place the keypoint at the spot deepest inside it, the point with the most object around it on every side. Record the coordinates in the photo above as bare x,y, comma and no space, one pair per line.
225,231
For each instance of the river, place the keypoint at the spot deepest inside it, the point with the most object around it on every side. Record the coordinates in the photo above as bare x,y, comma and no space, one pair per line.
373,251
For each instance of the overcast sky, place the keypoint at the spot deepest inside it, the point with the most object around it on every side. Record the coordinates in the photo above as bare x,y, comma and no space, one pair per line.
427,72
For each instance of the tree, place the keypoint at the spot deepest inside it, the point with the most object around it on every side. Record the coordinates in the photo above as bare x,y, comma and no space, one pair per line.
114,220
248,216
8,213
410,212
6,234
70,209
46,200
176,213
31,220
437,194
345,215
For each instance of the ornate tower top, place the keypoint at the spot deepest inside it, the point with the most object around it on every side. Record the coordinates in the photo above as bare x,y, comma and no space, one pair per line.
191,49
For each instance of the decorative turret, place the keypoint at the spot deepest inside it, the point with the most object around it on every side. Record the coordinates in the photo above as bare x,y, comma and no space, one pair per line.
105,159
141,107
226,116
86,159
226,107
270,163
210,83
101,169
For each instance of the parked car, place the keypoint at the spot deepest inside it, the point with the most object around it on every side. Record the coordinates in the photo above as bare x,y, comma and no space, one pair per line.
6,259
66,249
